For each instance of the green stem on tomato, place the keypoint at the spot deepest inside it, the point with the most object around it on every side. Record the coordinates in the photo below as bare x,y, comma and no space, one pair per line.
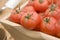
31,0
47,20
53,6
41,1
28,16
17,11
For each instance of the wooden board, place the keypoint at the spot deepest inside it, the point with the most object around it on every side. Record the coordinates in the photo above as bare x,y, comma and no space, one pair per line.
9,37
7,10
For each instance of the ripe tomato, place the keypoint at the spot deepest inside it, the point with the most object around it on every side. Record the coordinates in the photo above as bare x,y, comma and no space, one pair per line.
55,1
52,1
42,15
53,11
41,18
14,16
58,3
48,25
28,8
58,28
30,20
39,5
49,1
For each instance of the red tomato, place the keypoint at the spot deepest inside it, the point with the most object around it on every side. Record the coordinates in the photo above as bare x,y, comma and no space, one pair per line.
53,11
39,5
41,18
49,1
48,25
30,20
52,1
58,3
42,15
28,8
58,28
14,16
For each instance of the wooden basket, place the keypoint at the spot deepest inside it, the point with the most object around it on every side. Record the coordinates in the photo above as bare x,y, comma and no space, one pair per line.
17,30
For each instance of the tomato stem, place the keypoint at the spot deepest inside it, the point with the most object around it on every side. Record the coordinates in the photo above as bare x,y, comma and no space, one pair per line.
53,6
32,0
47,20
41,1
28,16
17,11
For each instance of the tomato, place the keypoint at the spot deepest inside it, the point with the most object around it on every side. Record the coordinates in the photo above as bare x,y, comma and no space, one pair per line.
30,20
14,16
53,11
42,15
52,1
58,28
49,1
58,3
41,18
28,8
39,5
48,25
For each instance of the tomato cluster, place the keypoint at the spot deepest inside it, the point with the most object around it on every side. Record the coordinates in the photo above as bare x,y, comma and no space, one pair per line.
39,15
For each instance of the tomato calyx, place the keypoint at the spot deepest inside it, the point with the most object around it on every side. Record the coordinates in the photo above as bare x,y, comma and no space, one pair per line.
32,0
52,8
47,20
18,10
41,1
28,16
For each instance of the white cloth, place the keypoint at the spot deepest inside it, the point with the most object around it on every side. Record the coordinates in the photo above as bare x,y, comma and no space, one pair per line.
12,3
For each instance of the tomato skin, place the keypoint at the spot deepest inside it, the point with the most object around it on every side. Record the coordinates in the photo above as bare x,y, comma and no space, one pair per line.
55,1
40,6
28,8
32,21
58,28
14,17
58,3
41,15
53,13
48,25
49,1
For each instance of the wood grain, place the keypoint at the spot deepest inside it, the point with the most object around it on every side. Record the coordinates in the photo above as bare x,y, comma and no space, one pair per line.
2,2
7,10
